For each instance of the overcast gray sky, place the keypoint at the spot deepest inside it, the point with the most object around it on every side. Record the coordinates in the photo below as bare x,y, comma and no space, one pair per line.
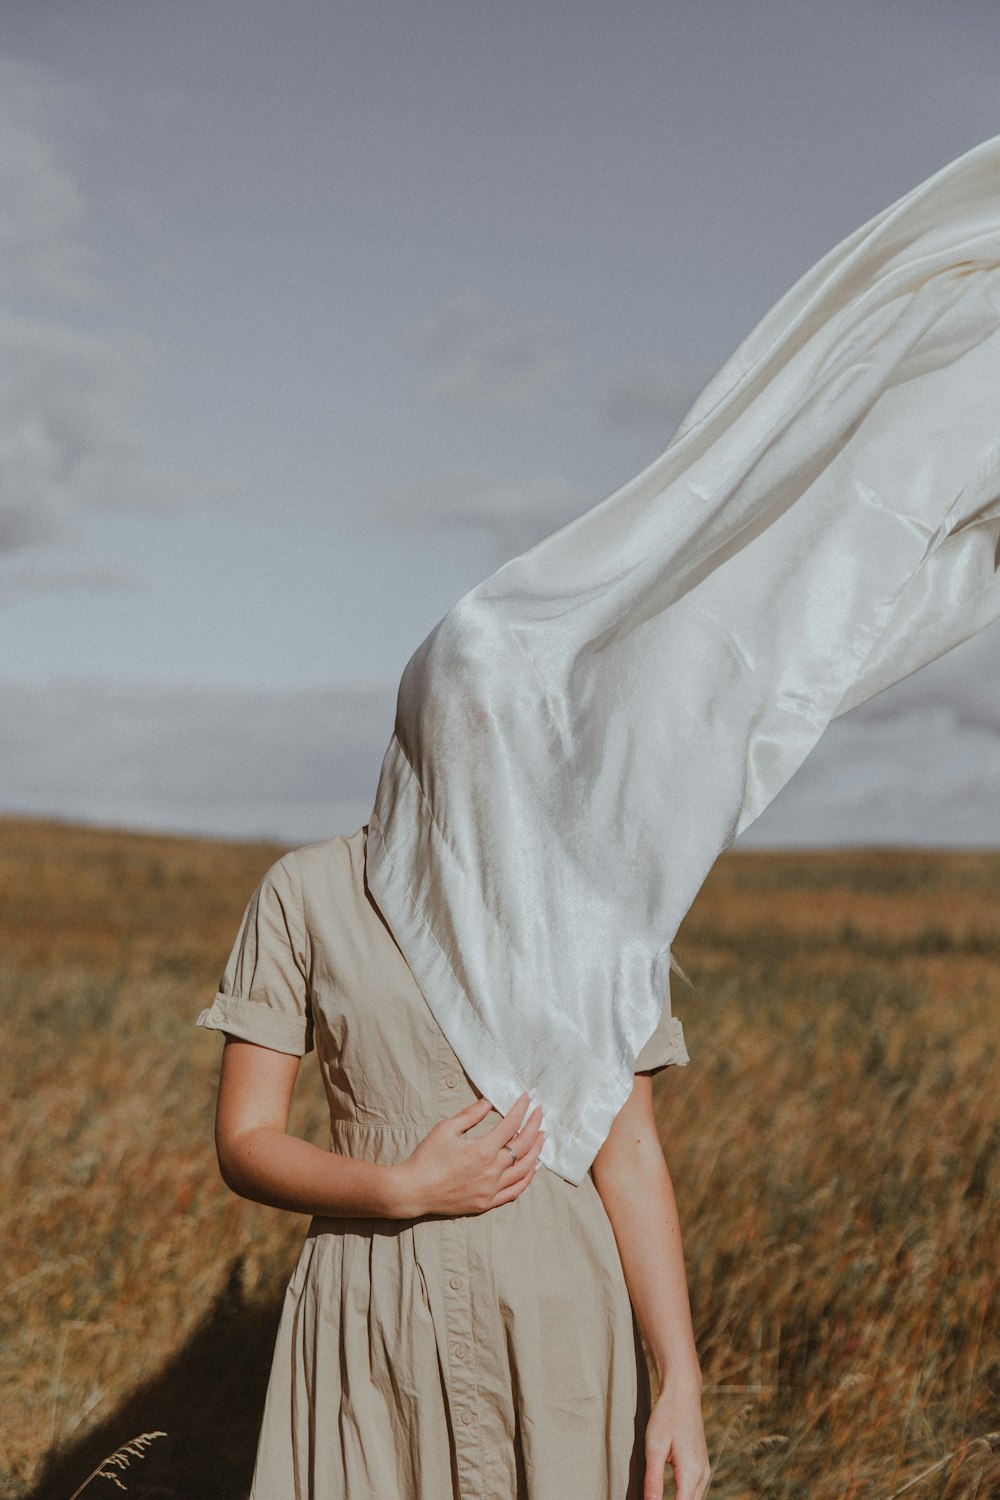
313,314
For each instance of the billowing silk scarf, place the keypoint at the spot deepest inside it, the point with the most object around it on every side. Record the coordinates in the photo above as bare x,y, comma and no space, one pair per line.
585,731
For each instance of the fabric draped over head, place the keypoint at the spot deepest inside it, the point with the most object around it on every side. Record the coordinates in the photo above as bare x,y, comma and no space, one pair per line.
584,732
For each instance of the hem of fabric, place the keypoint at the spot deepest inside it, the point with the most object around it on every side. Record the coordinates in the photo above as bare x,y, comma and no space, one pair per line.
250,1021
674,1055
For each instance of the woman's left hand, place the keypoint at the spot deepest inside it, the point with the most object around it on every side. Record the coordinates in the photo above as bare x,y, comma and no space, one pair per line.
675,1435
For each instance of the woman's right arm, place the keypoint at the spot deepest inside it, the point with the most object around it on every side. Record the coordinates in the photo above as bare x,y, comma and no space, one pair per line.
449,1173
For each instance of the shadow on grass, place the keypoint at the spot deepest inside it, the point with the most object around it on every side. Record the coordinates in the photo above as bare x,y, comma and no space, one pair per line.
208,1401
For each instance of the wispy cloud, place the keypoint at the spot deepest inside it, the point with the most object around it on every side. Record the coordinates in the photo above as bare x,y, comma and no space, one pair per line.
42,578
297,765
43,250
71,437
479,354
652,394
519,512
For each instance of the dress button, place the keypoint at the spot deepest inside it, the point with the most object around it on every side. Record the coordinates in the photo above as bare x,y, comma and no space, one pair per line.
466,1418
450,1081
460,1351
455,1283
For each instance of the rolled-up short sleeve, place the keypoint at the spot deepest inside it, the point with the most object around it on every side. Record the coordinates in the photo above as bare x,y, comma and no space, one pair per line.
665,1046
263,996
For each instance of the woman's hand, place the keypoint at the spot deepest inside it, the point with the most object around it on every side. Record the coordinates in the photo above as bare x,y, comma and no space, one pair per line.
630,1173
675,1435
454,1174
448,1173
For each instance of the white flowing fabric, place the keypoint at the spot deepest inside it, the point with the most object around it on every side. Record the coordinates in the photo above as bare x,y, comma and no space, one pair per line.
584,732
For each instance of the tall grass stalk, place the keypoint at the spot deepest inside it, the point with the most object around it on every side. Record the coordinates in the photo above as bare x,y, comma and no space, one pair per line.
121,1460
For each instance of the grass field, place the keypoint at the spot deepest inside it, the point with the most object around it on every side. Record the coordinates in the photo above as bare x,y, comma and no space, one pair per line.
835,1145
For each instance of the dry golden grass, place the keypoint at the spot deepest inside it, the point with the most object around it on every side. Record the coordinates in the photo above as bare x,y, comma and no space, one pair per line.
834,1145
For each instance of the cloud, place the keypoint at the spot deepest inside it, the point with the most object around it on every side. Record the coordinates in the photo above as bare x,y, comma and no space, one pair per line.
86,578
653,393
918,764
485,356
71,439
519,512
295,765
42,248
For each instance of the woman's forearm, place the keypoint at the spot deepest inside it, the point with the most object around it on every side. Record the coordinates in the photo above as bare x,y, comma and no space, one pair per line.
259,1159
447,1173
632,1178
638,1195
283,1171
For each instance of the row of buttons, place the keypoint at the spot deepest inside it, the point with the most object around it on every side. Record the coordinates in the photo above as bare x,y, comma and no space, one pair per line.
463,1393
459,1350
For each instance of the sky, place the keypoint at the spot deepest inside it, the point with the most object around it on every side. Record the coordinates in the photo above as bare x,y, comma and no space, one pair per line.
313,315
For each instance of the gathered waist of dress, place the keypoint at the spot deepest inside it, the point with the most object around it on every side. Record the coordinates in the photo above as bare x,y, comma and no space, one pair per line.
379,1141
374,1140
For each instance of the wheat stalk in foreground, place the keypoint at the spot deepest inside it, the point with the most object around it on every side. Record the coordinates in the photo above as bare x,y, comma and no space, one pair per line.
990,1441
120,1459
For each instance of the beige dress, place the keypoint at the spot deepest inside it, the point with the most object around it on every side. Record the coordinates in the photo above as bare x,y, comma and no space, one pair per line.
482,1358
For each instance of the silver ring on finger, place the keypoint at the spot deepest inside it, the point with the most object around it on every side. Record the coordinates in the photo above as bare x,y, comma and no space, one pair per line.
512,1152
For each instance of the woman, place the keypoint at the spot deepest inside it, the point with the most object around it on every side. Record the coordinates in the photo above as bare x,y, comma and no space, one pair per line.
574,745
460,1320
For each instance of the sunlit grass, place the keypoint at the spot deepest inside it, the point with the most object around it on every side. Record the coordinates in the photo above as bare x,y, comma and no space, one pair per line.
834,1144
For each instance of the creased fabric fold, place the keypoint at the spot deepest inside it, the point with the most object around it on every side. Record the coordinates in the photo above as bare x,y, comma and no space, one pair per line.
584,732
